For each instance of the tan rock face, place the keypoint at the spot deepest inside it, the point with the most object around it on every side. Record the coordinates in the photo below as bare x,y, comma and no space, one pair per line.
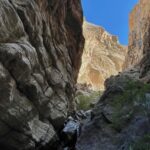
139,36
103,56
40,43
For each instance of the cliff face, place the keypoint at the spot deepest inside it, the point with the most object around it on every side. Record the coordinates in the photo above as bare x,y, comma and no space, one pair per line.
121,119
40,43
103,56
139,36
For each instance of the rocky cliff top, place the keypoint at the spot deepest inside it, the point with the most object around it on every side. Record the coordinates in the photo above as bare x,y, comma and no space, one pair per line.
103,56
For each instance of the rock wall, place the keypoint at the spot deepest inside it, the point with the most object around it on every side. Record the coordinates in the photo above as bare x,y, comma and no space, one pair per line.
103,56
41,44
121,119
139,36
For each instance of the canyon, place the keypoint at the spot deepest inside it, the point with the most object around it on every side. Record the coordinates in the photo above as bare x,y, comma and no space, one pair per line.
121,118
102,57
41,45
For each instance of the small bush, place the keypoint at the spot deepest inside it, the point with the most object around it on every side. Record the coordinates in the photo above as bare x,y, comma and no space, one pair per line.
84,101
131,101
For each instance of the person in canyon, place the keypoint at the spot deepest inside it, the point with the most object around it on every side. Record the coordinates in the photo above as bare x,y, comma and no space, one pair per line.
70,133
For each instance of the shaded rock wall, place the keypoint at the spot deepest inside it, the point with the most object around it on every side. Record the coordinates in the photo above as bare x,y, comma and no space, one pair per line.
103,56
41,44
121,117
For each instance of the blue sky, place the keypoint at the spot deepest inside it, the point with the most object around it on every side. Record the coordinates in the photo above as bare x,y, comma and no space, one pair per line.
111,14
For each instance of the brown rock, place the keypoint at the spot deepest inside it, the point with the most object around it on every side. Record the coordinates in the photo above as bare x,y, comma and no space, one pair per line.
138,53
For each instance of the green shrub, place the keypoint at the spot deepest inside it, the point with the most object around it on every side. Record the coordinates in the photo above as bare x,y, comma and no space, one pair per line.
131,101
84,101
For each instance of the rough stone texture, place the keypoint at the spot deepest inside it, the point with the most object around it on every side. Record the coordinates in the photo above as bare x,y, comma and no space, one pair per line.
121,117
103,56
139,44
41,44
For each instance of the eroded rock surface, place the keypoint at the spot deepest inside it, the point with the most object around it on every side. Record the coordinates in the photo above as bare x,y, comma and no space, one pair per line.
139,44
103,56
41,44
121,117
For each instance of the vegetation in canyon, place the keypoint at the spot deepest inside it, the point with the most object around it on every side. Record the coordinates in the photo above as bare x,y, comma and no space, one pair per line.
86,101
133,99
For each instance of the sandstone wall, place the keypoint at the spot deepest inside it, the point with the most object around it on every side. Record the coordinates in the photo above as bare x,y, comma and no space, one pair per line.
139,24
41,44
103,56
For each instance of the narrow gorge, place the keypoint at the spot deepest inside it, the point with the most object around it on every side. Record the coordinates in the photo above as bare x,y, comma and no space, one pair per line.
46,50
121,118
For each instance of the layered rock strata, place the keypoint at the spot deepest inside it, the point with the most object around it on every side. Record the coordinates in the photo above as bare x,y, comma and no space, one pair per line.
103,56
138,49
